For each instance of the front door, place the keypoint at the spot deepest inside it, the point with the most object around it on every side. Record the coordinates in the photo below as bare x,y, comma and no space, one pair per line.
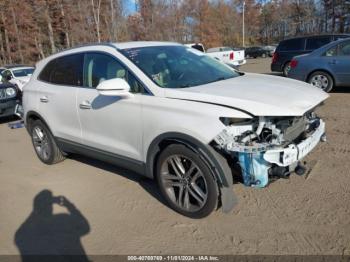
109,124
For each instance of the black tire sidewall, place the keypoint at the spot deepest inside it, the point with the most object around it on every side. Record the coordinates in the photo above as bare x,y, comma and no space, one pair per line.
330,80
51,142
284,69
213,193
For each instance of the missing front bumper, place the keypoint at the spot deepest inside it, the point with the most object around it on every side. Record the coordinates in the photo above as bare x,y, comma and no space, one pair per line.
257,166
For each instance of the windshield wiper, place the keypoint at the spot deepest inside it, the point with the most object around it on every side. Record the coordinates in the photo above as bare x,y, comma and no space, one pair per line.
218,79
185,85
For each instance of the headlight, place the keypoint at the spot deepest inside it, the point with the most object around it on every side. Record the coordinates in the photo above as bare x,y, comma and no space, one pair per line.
10,92
227,121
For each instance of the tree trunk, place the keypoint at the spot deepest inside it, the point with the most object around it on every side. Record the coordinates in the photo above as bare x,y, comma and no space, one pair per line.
19,42
7,42
49,27
96,14
65,27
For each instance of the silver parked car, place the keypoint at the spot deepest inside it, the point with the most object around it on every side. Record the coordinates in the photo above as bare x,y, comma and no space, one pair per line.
325,67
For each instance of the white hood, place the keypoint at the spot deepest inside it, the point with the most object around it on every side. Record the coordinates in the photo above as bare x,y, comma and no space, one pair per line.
24,78
260,95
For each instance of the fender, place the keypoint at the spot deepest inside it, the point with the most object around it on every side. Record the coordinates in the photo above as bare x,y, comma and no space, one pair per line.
217,163
34,114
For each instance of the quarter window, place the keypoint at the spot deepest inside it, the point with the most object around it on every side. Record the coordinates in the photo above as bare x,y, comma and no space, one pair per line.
332,51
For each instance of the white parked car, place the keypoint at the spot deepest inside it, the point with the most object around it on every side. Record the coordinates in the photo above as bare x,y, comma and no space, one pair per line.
17,75
224,54
171,113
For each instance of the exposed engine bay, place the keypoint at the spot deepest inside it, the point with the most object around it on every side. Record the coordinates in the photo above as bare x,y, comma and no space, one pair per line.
270,146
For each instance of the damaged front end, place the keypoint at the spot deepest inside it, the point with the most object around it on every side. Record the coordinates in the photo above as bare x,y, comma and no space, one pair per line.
270,146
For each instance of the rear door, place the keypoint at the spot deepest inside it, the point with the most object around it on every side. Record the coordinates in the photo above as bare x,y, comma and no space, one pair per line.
340,63
61,78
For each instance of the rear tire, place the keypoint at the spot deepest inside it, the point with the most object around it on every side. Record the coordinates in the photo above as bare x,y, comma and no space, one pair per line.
286,69
322,80
186,182
44,143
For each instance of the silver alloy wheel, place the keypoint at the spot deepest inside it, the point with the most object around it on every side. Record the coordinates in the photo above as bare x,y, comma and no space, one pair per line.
41,143
320,81
184,183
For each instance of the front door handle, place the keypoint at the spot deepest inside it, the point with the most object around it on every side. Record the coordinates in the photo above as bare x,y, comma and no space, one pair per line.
85,105
44,99
333,62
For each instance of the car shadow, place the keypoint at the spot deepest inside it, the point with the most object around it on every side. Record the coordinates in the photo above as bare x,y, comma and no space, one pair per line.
8,119
149,185
45,236
274,74
341,89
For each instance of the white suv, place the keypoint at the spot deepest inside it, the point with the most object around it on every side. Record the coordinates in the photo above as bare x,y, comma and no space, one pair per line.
171,113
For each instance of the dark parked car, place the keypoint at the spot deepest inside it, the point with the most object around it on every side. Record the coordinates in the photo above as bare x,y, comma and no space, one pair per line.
287,49
10,97
325,67
256,51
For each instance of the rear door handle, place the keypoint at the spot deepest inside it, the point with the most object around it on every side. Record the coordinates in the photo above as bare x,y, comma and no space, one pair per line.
333,62
44,99
85,105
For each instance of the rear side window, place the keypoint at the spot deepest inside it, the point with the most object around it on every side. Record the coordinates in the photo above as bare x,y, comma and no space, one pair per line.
317,42
292,45
66,70
344,49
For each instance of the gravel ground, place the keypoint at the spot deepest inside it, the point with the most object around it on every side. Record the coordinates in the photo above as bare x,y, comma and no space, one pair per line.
113,211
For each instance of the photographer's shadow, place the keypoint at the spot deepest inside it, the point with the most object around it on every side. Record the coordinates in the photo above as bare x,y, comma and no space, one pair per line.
45,233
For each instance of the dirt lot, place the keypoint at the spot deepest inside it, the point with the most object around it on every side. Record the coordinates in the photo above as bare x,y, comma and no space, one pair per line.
117,212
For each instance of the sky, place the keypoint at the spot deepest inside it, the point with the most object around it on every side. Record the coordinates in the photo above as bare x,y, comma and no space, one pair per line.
130,6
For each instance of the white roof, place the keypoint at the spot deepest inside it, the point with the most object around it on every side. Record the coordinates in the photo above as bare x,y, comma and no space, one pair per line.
21,67
137,44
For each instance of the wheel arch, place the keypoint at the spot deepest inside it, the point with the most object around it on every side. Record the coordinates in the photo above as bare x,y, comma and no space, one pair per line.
216,162
321,70
32,116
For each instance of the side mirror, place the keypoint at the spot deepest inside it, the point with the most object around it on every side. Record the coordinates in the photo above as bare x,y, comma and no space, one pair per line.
114,87
8,77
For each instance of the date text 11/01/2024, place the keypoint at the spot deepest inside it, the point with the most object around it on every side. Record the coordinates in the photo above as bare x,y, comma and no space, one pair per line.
173,258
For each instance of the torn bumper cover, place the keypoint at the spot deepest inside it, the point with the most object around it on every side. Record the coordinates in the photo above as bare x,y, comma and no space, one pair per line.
293,153
270,147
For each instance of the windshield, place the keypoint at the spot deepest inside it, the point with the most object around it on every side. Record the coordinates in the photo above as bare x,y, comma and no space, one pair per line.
178,66
23,72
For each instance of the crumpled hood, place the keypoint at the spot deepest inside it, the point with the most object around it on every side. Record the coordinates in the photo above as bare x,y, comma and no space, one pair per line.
259,95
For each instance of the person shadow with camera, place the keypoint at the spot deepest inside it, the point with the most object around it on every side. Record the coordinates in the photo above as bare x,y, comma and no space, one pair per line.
54,235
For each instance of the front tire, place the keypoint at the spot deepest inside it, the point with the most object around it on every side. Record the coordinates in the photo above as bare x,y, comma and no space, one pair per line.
321,80
186,182
44,144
